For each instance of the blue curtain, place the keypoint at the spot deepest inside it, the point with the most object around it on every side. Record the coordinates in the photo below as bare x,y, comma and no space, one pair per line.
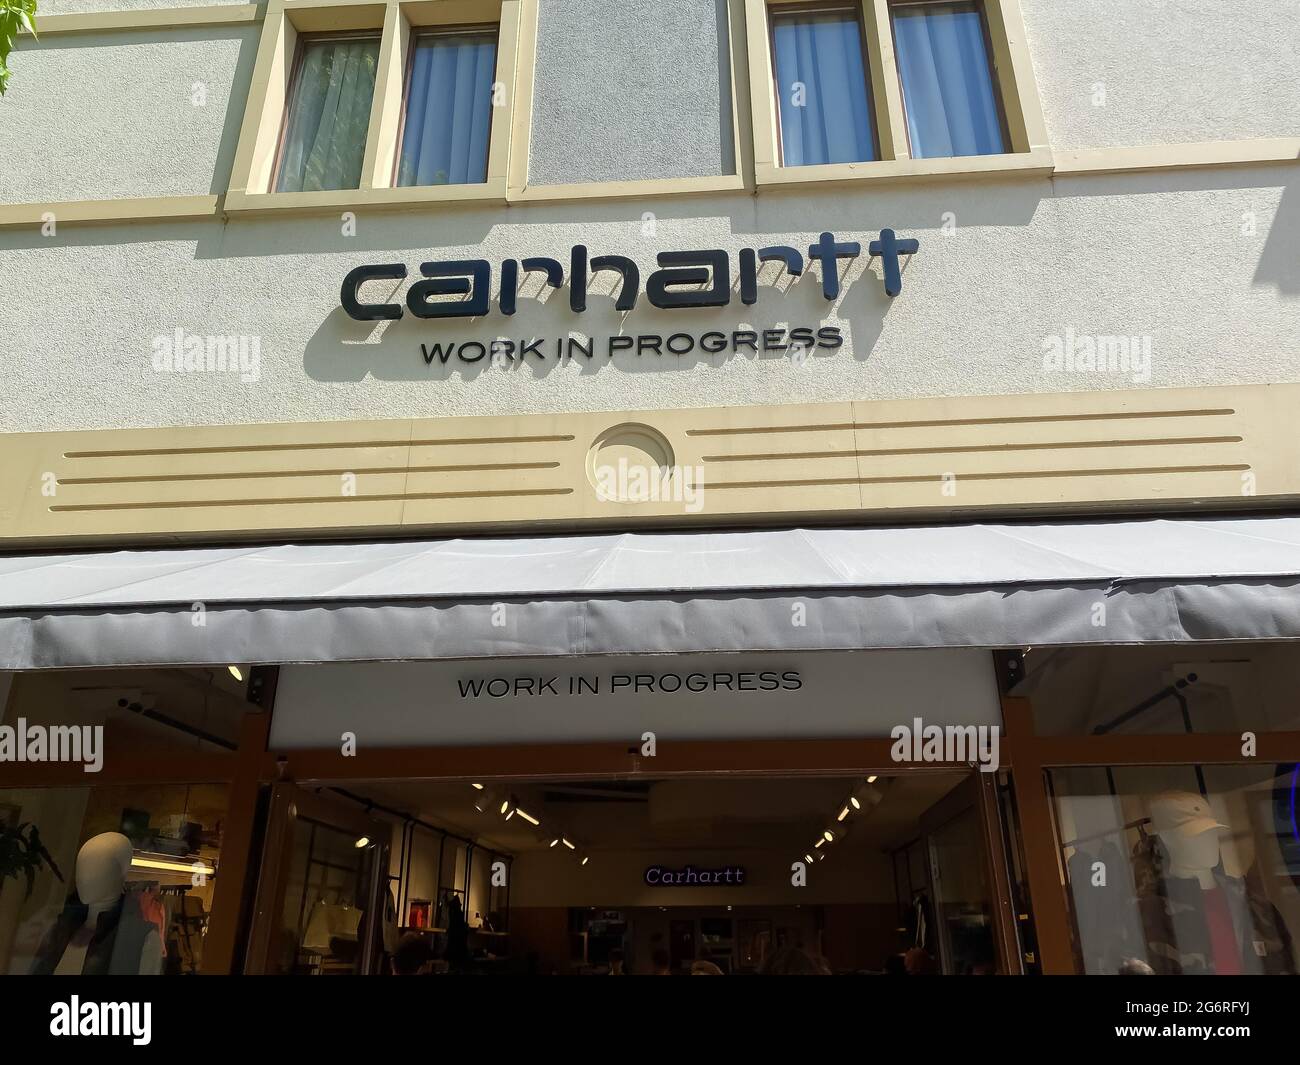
947,84
329,114
448,111
824,99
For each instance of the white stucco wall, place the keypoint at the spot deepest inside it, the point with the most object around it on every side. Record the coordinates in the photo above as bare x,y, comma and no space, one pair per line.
636,89
89,116
1161,256
1172,71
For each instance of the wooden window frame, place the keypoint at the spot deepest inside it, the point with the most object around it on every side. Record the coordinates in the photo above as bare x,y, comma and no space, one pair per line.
851,9
303,42
981,9
1020,112
397,22
491,29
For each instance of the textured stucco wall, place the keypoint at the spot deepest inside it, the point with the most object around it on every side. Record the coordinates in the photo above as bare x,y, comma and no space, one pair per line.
1162,256
628,90
90,116
1173,70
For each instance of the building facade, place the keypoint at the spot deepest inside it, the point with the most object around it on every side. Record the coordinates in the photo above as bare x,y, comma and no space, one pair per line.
741,383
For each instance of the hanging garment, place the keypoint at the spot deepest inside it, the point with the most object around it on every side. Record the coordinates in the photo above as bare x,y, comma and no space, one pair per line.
115,945
1105,909
1186,926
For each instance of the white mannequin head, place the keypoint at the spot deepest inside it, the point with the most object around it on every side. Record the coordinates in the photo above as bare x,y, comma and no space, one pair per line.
1190,832
102,865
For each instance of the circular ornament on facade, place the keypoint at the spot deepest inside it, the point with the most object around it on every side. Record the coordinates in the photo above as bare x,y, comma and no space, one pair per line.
626,462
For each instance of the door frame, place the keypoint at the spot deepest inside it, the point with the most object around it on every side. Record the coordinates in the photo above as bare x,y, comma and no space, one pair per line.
289,802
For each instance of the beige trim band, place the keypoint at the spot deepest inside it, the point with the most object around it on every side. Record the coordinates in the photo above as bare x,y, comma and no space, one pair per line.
1079,452
1277,151
142,209
145,18
1261,150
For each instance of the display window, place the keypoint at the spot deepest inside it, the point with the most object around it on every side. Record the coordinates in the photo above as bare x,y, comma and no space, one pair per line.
1181,870
108,881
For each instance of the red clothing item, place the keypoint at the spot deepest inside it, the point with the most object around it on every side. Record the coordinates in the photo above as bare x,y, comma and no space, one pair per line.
1224,951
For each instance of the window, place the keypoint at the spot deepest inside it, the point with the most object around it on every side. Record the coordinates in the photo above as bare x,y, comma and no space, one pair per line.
325,125
824,102
448,118
885,89
948,93
1181,870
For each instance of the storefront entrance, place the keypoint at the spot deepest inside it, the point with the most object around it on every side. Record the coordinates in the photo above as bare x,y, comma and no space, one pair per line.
703,875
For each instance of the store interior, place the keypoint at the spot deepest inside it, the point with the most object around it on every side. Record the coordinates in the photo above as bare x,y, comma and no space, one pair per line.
688,876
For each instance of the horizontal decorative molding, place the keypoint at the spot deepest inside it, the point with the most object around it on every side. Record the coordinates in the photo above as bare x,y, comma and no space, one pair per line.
144,209
900,459
1262,150
148,18
1099,161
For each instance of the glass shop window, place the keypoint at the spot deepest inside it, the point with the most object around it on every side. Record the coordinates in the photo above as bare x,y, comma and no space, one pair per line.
949,96
448,109
823,92
113,881
1181,870
1206,688
324,138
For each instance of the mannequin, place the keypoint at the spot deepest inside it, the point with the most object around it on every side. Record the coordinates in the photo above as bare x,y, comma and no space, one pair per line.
1190,833
101,931
1197,918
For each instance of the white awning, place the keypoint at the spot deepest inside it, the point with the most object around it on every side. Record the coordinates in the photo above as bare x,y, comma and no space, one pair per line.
1010,585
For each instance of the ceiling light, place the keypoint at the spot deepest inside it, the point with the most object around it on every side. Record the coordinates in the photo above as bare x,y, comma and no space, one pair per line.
527,816
585,861
809,858
828,836
555,841
236,672
568,844
477,787
853,801
505,806
843,814
819,843
165,864
364,841
871,780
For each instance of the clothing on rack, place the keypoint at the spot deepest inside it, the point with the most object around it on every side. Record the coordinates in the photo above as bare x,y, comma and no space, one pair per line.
1189,930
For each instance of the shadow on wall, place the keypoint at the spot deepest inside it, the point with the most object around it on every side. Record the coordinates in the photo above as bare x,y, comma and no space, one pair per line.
413,349
1279,264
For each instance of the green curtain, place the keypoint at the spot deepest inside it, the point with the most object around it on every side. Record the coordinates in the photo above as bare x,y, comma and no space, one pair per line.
325,137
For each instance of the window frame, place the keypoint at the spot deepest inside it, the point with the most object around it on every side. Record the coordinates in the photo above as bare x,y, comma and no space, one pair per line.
301,45
398,23
494,30
998,93
850,8
1024,130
